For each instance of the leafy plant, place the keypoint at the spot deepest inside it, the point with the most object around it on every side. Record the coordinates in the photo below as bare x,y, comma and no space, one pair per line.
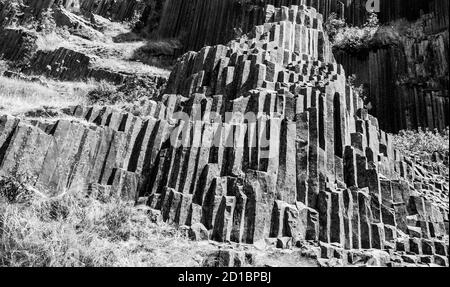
351,38
422,141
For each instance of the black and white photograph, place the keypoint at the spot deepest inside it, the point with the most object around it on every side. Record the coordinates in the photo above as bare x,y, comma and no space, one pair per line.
202,134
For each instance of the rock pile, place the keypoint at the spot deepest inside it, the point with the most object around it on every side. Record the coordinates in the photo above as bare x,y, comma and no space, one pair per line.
258,139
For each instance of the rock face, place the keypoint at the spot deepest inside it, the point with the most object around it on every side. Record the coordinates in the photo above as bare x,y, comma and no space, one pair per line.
414,69
208,22
62,63
258,139
17,45
70,65
122,10
20,46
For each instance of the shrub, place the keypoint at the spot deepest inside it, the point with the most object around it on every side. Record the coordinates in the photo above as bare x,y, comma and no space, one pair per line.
351,38
333,25
422,141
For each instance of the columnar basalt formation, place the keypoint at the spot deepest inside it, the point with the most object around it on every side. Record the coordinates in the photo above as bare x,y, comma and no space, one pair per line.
208,22
123,10
260,138
199,22
413,77
410,76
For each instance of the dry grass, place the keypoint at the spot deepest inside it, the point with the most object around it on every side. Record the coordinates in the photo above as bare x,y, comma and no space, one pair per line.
77,230
51,41
19,96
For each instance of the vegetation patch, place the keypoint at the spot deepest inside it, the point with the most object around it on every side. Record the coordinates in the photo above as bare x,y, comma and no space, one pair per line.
76,229
351,38
18,96
424,143
370,35
131,93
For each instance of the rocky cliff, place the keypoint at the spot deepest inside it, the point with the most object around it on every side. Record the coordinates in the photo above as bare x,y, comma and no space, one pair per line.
408,74
192,20
261,138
